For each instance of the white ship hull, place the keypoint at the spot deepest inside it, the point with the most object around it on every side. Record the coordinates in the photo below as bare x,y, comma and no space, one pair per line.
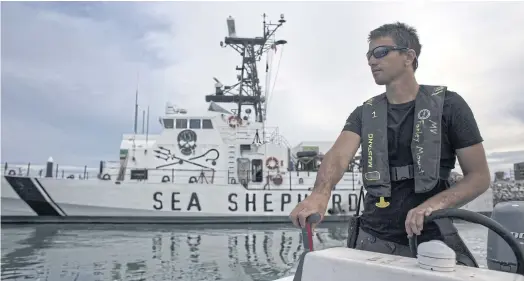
26,199
47,199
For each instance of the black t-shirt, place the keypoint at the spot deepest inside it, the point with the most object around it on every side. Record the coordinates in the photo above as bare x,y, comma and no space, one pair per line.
459,130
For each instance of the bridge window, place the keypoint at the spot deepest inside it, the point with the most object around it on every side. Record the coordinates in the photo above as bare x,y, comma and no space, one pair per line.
194,124
181,123
168,123
207,124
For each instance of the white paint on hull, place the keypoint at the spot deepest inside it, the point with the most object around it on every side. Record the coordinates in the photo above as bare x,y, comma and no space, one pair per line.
338,263
201,203
198,201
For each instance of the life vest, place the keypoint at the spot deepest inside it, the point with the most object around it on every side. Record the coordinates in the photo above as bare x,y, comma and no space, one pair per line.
425,146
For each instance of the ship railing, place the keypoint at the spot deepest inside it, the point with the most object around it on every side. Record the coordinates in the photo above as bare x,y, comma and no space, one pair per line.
293,180
265,134
58,171
279,139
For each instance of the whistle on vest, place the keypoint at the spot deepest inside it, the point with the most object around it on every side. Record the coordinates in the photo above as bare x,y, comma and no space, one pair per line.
382,203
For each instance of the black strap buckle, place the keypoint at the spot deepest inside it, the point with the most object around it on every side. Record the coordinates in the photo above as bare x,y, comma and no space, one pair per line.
401,173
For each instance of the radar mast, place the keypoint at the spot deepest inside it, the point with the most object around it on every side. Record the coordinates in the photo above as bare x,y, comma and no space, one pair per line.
247,90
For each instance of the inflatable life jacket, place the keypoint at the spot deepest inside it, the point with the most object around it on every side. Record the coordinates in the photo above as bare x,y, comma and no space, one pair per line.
426,144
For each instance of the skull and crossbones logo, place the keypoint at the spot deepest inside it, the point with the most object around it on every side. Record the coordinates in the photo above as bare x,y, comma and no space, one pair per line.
187,142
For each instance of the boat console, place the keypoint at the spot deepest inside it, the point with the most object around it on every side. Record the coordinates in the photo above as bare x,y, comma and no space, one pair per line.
431,261
344,264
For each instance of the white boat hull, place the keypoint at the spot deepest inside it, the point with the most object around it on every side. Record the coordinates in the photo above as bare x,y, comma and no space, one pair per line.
338,263
26,199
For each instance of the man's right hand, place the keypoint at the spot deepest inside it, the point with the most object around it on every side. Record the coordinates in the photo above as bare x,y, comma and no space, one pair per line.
314,203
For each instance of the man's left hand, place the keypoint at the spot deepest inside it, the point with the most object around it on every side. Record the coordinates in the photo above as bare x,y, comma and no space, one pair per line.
415,219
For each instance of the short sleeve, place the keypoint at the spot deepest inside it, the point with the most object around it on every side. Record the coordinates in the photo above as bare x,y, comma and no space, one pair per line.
354,121
463,131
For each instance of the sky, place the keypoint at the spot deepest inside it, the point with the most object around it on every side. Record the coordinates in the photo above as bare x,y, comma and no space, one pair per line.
69,71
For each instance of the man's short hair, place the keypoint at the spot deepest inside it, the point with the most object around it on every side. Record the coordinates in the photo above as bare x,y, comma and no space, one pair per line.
402,34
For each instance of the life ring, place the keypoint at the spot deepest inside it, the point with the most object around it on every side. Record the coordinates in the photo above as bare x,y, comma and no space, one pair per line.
193,180
234,121
233,181
106,177
166,179
11,172
277,180
272,163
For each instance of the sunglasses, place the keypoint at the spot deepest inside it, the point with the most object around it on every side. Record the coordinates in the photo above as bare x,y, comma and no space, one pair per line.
382,51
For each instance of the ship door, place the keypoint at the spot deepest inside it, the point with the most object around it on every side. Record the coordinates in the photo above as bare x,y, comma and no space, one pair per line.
257,173
243,170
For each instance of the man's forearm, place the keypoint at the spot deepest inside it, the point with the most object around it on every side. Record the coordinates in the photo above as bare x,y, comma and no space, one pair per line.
465,191
330,172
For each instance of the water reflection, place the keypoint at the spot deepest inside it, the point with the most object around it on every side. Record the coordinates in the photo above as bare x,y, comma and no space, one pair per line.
151,252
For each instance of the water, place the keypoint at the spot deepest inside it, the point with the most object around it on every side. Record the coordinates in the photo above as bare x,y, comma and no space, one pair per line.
159,252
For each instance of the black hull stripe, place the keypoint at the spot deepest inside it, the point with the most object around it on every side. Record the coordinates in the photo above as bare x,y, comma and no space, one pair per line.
50,198
27,190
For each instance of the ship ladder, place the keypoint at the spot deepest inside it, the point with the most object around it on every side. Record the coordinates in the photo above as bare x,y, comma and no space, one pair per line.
231,155
123,167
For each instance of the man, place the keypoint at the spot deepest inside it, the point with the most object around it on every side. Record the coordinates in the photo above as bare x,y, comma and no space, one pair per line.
395,205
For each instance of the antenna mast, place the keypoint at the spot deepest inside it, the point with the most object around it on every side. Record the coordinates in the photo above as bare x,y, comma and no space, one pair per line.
136,107
247,89
136,112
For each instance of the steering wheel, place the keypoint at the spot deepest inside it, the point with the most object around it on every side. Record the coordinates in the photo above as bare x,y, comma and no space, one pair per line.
473,217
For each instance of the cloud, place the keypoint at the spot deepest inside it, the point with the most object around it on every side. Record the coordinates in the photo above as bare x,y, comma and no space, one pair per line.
68,78
499,160
69,69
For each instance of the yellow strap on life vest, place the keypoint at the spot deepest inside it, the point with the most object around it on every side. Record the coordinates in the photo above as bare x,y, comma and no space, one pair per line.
382,203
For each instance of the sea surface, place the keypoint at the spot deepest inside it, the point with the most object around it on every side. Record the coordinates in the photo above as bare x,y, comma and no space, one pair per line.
160,252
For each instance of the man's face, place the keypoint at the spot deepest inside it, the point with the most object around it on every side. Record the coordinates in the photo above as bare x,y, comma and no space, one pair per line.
390,64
